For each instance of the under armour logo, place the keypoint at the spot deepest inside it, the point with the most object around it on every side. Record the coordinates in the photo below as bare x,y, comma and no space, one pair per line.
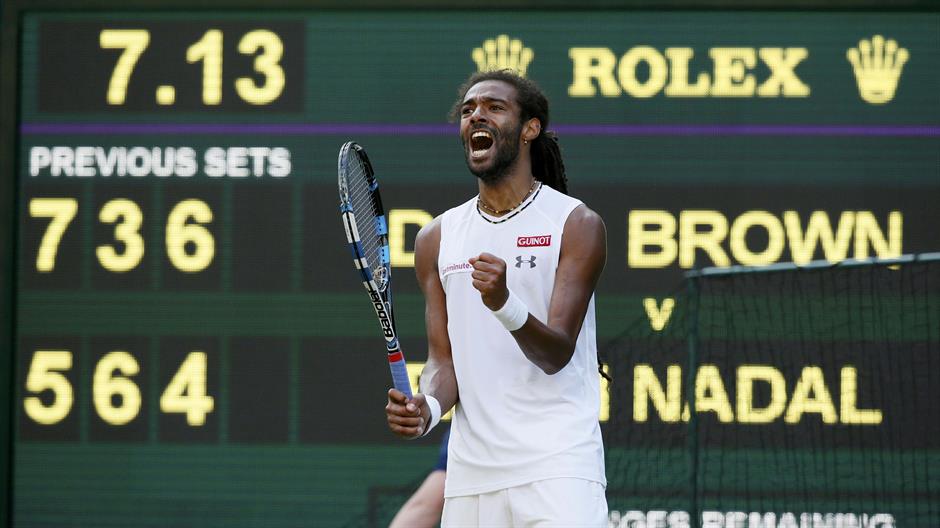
530,261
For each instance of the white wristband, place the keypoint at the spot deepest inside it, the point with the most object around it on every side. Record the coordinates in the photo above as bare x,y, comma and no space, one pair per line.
513,314
435,407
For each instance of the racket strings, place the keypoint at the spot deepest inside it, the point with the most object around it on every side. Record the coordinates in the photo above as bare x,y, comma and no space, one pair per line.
364,209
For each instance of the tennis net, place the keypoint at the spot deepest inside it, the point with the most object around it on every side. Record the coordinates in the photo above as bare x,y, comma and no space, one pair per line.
804,396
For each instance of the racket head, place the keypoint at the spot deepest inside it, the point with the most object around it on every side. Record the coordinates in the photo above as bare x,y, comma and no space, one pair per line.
367,234
363,215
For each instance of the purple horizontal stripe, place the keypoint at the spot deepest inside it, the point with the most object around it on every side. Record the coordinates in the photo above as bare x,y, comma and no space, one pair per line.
750,130
401,129
298,129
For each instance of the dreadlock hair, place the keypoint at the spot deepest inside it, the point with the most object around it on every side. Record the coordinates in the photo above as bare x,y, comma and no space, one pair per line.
547,165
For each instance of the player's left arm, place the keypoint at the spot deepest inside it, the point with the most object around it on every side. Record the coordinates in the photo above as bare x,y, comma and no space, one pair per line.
550,345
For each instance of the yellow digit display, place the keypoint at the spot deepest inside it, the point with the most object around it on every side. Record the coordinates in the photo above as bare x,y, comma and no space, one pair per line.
186,392
107,384
266,45
133,42
179,233
43,376
62,211
127,231
266,64
189,245
113,376
209,51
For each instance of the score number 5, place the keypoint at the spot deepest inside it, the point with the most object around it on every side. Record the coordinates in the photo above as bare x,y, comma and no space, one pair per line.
208,50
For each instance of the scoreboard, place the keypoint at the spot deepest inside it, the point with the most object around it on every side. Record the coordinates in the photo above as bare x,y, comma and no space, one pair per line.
191,346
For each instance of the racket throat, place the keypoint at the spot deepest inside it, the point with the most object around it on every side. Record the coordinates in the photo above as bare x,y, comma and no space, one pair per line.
383,312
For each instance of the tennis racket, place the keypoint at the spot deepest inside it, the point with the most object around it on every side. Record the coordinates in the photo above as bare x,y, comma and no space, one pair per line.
367,234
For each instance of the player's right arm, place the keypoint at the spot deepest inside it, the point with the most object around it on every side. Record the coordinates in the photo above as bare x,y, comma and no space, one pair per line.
409,419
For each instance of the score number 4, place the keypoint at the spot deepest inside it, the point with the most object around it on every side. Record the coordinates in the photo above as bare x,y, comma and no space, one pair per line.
208,50
128,219
186,392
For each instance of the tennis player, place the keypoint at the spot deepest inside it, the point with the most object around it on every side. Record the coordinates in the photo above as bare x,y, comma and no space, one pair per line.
509,279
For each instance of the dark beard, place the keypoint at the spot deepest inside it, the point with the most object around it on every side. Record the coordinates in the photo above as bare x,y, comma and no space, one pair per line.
507,152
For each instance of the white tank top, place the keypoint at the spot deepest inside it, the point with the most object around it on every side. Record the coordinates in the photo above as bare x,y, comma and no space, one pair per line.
514,424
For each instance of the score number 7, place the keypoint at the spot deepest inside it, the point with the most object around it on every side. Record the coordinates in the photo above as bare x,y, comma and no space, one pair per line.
134,42
62,211
208,50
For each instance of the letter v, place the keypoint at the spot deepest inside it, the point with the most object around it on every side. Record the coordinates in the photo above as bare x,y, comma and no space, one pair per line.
659,315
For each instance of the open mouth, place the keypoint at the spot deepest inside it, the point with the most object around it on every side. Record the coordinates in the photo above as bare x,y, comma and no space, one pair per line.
480,143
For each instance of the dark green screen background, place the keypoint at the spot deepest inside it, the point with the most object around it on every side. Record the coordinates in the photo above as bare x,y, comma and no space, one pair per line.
297,437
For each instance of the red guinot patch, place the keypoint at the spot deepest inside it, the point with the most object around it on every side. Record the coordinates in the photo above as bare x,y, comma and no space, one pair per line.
534,241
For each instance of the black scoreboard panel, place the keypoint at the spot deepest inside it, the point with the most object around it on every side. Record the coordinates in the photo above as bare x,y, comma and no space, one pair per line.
192,346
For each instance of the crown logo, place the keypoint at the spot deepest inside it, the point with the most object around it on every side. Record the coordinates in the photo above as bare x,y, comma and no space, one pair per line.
503,53
877,65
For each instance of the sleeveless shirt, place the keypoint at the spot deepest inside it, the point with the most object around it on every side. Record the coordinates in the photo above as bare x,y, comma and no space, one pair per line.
513,423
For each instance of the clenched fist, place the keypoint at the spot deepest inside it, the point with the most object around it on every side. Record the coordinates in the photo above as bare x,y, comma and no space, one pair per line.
489,277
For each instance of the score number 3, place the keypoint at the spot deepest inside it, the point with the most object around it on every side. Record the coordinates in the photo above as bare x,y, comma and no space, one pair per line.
208,50
186,392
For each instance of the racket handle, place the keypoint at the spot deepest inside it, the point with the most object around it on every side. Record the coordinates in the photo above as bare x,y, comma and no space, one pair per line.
399,368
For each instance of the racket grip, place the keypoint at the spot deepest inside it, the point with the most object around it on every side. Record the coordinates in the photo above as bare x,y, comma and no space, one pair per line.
400,375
